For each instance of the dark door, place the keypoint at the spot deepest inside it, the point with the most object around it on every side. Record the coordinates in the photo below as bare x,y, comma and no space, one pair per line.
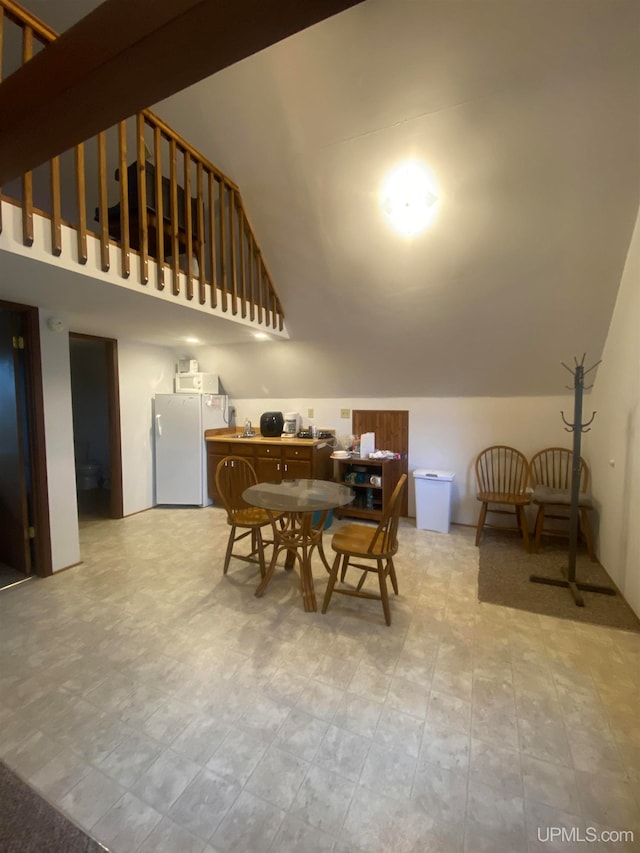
14,475
95,400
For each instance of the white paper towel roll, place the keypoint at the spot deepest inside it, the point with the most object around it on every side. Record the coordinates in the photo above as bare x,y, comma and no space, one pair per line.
367,444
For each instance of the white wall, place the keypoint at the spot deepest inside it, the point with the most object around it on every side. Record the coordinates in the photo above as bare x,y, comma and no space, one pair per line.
144,371
444,433
58,430
614,441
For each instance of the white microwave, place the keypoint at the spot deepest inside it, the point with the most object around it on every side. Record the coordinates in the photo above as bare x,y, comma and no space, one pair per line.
197,383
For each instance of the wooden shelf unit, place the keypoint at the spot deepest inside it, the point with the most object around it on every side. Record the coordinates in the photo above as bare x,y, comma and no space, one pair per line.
391,428
388,470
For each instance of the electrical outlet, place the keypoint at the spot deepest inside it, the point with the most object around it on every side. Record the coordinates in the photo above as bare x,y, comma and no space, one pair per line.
309,413
345,413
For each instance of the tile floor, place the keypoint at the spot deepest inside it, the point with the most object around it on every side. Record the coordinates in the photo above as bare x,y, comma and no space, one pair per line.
167,710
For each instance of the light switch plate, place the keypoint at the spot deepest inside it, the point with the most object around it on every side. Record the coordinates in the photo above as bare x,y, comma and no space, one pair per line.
309,413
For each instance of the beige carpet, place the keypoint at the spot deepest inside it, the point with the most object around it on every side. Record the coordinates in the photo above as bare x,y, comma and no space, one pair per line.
504,572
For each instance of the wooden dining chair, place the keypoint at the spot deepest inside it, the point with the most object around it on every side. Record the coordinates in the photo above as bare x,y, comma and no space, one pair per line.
377,545
502,474
234,474
551,475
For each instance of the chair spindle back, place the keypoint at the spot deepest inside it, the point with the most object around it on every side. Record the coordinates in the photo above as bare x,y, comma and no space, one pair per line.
234,474
387,532
503,470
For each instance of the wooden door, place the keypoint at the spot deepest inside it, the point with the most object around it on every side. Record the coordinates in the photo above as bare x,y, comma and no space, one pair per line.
15,549
213,460
297,463
297,469
269,469
109,389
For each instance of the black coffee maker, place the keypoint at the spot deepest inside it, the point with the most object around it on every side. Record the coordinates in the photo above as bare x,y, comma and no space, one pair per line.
271,424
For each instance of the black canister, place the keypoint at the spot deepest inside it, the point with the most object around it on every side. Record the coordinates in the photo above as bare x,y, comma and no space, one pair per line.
271,424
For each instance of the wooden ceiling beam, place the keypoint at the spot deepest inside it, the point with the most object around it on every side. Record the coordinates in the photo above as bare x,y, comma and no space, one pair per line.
125,56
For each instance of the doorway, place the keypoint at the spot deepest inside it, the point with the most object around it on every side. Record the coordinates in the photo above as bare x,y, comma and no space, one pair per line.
96,426
25,540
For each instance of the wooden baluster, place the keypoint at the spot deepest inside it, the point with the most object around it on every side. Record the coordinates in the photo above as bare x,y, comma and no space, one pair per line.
277,316
276,307
173,154
267,296
157,153
200,240
213,261
27,178
233,278
82,203
54,175
244,246
102,195
252,278
268,321
142,200
265,291
188,224
280,316
271,320
56,230
223,246
124,199
260,284
272,303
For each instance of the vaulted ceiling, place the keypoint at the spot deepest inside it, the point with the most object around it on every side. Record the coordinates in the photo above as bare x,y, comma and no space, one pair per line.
528,114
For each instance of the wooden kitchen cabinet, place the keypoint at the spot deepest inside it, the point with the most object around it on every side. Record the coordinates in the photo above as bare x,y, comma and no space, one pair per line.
213,460
274,464
216,452
298,464
274,459
267,469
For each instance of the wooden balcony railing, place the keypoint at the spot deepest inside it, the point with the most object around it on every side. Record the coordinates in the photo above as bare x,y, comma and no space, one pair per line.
173,206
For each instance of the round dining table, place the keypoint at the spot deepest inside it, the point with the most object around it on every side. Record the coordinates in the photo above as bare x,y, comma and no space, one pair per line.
298,510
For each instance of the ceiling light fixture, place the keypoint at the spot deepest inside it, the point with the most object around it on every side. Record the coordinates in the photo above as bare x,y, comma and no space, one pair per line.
192,340
261,336
409,198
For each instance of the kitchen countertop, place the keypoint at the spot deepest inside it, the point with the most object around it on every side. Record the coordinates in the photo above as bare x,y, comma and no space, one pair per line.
263,439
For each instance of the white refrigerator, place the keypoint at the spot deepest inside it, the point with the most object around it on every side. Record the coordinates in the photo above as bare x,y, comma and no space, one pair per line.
180,450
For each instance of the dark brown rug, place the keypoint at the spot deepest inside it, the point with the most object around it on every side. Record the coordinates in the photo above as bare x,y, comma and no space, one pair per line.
504,573
30,824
